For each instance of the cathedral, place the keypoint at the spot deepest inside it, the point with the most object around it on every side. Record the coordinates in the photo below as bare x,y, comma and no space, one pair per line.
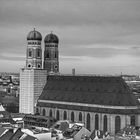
100,102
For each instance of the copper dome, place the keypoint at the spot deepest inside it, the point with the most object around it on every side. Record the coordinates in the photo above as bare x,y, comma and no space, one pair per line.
51,38
34,35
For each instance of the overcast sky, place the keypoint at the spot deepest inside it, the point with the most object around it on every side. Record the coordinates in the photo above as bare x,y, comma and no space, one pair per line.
96,36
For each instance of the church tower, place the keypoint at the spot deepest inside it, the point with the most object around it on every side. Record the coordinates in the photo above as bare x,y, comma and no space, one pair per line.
34,51
51,54
32,77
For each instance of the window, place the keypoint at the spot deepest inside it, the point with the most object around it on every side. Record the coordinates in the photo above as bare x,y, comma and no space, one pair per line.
105,123
39,66
57,115
29,65
55,55
80,117
72,116
47,55
37,110
38,53
50,113
65,115
55,66
88,121
133,120
96,122
117,123
44,112
30,53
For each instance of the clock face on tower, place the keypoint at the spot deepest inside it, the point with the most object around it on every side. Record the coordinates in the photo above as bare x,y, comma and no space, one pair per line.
55,66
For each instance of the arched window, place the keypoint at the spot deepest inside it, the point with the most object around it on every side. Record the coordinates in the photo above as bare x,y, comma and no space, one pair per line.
72,116
80,117
57,115
96,122
133,120
44,112
39,66
50,113
30,53
88,121
37,110
55,55
65,115
117,123
47,55
38,53
105,123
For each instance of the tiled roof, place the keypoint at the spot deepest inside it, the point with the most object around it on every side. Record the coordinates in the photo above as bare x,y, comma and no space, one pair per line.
71,132
38,120
2,130
17,135
28,137
7,135
100,90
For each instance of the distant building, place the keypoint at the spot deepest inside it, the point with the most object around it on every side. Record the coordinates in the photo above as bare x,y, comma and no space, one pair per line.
38,120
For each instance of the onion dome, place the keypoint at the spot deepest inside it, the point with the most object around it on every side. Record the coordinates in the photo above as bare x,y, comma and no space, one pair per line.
34,35
51,38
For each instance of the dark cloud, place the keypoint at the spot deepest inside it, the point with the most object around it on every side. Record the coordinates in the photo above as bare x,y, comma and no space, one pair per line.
101,51
69,13
86,29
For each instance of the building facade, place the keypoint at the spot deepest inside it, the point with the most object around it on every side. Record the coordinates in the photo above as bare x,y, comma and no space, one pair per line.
32,77
104,103
51,54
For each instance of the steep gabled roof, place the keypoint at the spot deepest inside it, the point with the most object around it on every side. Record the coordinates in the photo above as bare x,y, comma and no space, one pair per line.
100,90
7,135
17,135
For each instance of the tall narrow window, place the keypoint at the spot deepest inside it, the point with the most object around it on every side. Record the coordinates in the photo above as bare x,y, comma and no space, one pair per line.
37,110
55,55
44,112
50,113
57,115
80,117
117,123
105,123
47,55
30,53
133,120
65,115
72,116
96,122
38,53
88,121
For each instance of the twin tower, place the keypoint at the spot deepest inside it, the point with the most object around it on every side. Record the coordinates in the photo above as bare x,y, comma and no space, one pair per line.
34,76
34,52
